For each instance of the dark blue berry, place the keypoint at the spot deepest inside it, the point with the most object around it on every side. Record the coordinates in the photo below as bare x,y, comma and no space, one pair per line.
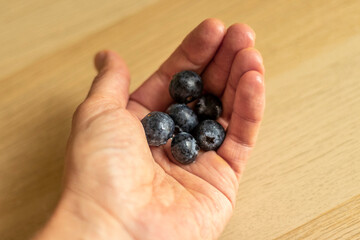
209,134
185,118
208,107
159,127
185,87
184,148
177,130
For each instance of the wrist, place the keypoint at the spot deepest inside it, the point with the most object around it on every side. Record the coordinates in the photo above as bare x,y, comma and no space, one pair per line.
78,218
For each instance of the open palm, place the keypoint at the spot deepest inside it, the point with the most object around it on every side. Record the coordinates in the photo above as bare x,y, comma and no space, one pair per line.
141,188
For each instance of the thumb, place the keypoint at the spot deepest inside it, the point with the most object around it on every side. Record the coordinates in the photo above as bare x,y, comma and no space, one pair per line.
113,79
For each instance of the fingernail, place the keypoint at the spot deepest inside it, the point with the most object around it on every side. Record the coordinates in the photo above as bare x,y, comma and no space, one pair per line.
259,57
259,78
100,60
252,35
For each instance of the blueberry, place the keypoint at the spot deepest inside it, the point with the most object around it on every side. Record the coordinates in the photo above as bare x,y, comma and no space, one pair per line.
184,148
208,107
177,130
159,127
184,118
209,134
185,87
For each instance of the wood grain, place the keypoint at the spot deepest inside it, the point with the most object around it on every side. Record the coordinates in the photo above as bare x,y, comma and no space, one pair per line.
306,160
342,222
32,29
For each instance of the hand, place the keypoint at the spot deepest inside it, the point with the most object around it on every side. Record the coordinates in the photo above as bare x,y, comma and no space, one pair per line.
117,187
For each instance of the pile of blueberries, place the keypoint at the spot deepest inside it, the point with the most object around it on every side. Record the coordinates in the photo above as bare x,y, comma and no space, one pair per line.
189,129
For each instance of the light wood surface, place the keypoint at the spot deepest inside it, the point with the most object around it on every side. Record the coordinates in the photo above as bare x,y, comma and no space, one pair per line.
342,222
303,179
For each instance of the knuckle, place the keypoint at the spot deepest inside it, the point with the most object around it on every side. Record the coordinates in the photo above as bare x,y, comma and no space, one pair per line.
87,106
80,110
99,76
93,106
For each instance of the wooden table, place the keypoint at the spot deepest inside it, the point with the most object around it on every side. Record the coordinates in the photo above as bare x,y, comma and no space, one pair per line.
303,180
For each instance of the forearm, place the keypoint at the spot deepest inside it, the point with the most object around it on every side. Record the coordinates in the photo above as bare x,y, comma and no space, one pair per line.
75,219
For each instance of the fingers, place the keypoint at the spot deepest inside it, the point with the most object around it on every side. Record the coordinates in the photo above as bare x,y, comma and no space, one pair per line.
245,60
112,82
245,120
194,53
238,36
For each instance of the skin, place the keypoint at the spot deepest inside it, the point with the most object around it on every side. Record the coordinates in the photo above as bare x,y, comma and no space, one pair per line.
117,187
